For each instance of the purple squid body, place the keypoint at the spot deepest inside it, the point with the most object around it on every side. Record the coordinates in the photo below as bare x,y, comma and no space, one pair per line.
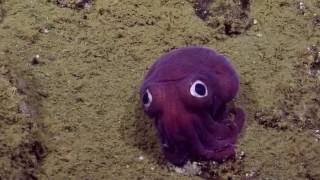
186,92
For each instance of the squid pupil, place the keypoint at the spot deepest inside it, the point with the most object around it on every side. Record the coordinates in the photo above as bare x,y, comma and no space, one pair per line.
145,98
200,89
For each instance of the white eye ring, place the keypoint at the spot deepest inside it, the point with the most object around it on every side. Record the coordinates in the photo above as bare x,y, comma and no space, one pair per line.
147,98
199,89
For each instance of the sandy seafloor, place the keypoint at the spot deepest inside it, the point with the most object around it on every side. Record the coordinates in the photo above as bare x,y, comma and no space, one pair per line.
69,80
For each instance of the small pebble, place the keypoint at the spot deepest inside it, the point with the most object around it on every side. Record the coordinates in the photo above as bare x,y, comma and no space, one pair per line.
83,4
179,170
259,35
255,21
317,135
242,155
250,174
141,158
35,60
301,5
44,30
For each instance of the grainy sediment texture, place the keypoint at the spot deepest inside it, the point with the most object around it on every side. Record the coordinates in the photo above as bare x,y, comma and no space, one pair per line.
70,73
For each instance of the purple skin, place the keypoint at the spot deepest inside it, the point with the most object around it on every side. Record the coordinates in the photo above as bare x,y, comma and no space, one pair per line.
186,92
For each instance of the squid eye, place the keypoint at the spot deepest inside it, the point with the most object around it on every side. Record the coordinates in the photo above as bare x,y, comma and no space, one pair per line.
198,89
147,98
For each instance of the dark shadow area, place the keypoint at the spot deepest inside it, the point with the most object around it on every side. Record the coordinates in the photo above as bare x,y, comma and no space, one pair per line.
2,12
229,18
246,99
137,129
22,149
74,4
